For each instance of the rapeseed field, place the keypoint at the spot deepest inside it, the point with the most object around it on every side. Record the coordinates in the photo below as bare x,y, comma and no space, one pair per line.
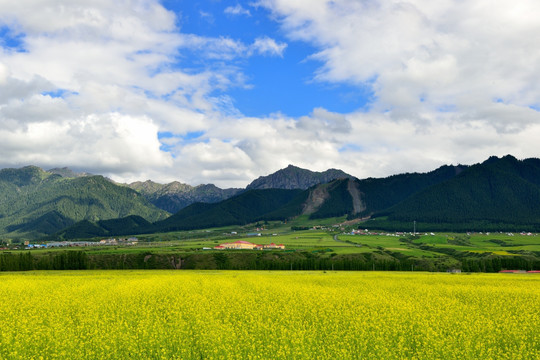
268,315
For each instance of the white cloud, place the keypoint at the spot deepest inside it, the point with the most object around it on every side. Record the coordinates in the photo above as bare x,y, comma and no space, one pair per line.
112,143
207,17
325,124
3,74
93,83
452,82
268,46
215,48
98,81
421,56
225,48
237,10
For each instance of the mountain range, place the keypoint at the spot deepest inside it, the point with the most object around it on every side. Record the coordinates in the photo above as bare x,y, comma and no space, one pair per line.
344,196
497,194
36,203
175,196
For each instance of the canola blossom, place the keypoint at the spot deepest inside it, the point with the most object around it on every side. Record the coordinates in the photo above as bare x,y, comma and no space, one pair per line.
268,315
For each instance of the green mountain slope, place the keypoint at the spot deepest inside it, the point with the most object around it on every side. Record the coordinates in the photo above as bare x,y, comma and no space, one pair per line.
382,193
340,197
345,196
132,224
498,194
338,200
247,207
36,203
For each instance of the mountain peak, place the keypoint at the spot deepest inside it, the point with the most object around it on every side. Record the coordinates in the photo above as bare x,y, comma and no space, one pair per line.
293,177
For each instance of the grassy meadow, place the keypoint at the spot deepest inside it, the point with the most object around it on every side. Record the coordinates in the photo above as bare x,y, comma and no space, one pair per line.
271,314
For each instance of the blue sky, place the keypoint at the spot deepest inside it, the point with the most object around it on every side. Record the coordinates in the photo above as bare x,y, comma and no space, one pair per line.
264,92
225,91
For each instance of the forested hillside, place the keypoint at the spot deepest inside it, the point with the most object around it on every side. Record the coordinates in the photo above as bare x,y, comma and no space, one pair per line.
382,193
35,203
497,194
247,207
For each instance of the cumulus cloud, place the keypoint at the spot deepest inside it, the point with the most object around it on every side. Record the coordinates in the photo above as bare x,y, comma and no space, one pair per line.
325,123
93,84
451,82
112,143
73,92
419,56
98,84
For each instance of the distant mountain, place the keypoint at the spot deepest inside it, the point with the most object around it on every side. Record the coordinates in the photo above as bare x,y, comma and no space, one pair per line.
247,207
345,196
175,196
293,177
498,194
35,203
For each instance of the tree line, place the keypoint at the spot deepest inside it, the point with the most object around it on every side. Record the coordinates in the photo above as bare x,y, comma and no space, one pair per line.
79,260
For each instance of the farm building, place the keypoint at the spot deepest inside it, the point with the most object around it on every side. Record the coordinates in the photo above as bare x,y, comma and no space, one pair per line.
274,246
246,245
240,244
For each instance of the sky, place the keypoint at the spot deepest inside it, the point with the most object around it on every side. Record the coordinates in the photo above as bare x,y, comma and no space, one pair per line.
223,92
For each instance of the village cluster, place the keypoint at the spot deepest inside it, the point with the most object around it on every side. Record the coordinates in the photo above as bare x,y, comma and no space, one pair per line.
104,242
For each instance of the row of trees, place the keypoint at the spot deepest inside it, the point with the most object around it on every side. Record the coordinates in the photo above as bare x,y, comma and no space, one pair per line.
78,260
66,260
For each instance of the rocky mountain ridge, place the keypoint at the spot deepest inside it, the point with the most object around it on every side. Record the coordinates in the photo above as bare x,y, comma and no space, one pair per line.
293,177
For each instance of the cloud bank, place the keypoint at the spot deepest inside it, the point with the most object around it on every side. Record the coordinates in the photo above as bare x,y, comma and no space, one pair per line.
107,87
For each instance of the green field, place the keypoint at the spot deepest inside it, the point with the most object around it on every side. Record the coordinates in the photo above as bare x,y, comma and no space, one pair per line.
321,246
268,315
316,238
